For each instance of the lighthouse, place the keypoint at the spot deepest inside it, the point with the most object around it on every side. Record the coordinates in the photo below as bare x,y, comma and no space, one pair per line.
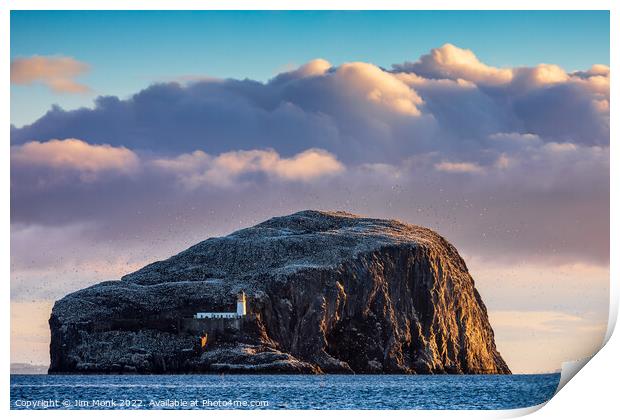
241,312
241,304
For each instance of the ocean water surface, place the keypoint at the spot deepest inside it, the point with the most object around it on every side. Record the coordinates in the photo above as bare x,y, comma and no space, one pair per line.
280,391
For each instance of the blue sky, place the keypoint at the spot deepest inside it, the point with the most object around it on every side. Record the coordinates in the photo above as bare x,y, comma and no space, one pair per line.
129,50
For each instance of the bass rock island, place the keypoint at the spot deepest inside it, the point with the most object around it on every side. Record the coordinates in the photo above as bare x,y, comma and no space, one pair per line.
312,292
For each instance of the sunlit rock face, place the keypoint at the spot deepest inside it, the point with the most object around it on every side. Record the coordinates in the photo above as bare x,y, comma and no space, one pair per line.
327,292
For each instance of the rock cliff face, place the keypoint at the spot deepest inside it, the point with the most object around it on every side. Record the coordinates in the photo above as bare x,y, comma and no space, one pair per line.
327,292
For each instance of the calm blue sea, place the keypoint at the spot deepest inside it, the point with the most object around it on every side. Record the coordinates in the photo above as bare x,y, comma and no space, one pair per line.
280,391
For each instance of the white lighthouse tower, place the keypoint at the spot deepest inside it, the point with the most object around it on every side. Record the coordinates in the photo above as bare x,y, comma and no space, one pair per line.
241,304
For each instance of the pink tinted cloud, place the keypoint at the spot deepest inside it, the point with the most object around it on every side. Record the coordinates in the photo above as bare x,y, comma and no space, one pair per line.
75,154
459,167
57,73
200,168
452,62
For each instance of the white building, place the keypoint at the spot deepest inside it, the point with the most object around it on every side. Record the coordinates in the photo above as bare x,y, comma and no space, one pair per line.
241,312
241,304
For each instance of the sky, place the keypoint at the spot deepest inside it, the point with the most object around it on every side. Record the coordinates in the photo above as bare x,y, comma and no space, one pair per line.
131,49
137,134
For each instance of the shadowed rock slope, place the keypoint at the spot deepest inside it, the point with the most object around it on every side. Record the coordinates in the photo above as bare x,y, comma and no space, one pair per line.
327,292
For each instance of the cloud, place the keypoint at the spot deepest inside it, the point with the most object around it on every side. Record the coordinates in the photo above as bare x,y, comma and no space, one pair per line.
541,75
354,110
458,167
75,154
447,101
57,73
192,169
355,84
305,166
199,168
451,62
507,163
515,137
378,87
313,68
595,70
544,99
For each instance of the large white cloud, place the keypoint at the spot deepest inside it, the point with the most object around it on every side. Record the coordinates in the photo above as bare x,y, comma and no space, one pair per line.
448,101
451,62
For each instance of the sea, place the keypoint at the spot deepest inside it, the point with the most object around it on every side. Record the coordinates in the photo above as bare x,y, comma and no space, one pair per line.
333,392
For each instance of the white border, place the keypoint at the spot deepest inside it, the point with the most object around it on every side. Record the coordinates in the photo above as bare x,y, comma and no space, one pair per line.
593,394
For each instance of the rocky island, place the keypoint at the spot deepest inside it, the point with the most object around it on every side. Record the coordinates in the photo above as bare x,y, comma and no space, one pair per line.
323,292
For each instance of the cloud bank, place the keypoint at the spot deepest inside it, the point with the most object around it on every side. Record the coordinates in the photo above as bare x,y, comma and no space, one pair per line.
510,164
